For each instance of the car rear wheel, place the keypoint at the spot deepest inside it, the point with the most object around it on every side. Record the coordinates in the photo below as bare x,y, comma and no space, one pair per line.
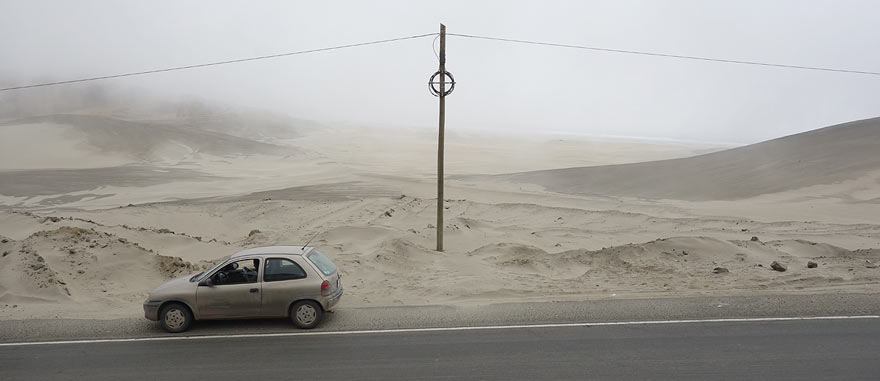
306,314
175,317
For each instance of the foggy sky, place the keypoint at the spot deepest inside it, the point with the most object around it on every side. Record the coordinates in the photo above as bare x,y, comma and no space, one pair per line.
501,86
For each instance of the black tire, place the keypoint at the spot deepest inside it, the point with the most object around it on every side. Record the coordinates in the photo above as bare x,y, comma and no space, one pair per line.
306,314
175,317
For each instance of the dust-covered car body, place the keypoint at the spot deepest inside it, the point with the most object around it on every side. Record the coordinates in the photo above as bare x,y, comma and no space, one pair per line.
264,282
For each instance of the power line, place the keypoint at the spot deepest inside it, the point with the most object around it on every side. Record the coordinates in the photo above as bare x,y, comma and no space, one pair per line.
664,55
559,45
219,62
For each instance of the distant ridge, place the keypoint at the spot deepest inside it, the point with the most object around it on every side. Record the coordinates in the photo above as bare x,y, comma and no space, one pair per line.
823,156
140,138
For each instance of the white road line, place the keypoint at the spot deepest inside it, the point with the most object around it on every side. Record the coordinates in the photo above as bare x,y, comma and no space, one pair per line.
444,329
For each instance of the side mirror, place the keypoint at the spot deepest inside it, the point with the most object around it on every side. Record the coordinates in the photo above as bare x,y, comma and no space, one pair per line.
207,282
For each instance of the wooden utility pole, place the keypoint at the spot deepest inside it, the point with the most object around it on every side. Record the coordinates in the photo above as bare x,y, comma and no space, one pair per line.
441,137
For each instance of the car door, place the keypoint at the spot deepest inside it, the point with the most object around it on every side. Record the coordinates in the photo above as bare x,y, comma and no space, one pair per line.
285,280
239,296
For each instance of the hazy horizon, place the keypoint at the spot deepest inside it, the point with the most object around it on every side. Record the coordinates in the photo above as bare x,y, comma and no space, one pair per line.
501,86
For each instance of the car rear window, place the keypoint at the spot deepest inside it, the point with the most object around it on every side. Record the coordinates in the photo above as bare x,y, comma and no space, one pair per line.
278,269
324,264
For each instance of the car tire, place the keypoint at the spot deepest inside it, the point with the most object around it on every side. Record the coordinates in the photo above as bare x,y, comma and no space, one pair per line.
175,317
306,314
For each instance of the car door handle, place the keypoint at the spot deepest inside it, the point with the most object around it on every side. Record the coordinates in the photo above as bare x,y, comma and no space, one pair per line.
255,290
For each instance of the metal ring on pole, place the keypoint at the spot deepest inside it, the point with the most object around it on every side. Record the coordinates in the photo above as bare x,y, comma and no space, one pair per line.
435,91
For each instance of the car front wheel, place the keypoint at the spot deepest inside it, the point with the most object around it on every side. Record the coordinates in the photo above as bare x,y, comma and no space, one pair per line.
175,317
306,314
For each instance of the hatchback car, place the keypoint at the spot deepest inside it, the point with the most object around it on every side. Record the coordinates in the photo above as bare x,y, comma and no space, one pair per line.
264,282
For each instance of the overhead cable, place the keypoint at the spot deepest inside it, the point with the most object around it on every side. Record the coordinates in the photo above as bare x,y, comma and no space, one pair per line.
558,45
218,62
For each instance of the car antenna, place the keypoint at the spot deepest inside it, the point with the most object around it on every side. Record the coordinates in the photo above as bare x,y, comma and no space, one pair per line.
310,241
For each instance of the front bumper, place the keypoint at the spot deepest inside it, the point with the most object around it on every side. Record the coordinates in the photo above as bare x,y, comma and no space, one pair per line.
151,310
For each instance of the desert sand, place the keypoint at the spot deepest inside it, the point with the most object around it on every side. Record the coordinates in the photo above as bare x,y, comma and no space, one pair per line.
97,207
833,154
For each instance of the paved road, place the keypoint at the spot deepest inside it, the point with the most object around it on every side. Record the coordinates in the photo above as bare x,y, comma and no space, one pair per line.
667,308
818,349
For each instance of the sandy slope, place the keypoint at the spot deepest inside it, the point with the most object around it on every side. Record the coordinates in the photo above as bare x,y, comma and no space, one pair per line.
76,250
70,268
61,146
58,159
115,160
97,137
843,152
495,252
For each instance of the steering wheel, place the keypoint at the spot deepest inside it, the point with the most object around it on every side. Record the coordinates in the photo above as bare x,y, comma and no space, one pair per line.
220,277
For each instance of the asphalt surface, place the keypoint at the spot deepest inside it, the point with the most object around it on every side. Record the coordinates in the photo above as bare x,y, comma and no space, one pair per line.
345,319
817,349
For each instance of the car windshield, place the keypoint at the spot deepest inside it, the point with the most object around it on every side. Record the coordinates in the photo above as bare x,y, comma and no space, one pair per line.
198,278
324,264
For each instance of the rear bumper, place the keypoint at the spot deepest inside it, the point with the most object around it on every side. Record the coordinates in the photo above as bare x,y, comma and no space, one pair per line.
331,300
151,310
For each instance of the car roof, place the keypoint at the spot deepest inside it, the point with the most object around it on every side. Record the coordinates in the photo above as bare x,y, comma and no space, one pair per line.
283,250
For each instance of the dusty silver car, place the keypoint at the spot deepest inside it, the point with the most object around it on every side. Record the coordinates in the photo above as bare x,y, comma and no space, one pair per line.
264,282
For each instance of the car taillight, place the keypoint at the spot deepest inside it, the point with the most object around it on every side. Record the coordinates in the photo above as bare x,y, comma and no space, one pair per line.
325,288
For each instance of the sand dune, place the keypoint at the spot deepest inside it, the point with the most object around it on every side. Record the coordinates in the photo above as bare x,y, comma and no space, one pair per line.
86,242
824,156
115,138
43,182
495,252
83,154
98,272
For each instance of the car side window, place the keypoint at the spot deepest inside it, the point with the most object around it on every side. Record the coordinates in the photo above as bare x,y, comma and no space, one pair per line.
243,271
278,269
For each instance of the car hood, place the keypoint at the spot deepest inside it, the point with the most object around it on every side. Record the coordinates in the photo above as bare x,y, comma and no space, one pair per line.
174,283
